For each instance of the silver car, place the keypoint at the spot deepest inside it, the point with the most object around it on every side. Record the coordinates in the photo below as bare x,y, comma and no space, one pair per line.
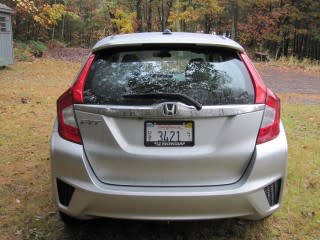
168,126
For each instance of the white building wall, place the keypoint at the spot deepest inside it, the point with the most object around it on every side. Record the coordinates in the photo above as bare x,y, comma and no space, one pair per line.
6,43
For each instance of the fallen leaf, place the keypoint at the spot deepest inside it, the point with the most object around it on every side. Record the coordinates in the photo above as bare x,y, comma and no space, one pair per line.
25,100
308,214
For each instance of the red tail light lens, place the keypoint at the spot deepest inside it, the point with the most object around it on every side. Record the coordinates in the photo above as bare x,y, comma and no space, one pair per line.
68,128
260,88
270,126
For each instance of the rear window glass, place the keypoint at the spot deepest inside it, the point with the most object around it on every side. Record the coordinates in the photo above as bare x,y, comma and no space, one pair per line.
211,76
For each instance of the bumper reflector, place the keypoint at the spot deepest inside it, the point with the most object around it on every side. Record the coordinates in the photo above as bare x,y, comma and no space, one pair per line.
272,192
65,192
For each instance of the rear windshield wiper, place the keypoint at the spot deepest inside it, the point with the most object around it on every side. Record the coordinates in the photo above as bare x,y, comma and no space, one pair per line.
173,96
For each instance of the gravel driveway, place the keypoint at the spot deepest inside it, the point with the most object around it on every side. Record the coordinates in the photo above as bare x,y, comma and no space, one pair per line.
290,80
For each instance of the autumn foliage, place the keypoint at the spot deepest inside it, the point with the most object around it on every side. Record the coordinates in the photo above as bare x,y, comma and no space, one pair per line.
278,27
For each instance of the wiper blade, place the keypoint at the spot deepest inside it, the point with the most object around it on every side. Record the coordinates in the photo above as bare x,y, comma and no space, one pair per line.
176,96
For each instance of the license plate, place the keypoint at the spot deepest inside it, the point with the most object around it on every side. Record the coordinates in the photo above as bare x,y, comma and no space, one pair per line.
168,133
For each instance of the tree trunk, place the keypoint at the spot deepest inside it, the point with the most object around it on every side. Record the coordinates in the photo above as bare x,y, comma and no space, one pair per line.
301,46
178,22
234,9
286,47
149,21
206,24
163,21
278,52
294,48
62,27
52,36
169,4
139,16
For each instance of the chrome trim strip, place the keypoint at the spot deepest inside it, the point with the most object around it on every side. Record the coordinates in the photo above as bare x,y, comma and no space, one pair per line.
156,111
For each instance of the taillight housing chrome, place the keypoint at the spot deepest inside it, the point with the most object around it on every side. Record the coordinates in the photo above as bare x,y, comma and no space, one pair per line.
67,125
270,126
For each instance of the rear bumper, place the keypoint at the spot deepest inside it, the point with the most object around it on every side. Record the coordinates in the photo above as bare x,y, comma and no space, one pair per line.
92,198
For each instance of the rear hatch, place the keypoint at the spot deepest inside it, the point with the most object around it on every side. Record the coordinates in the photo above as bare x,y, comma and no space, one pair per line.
169,116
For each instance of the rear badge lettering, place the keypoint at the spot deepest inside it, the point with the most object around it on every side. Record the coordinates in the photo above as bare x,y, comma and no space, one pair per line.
90,122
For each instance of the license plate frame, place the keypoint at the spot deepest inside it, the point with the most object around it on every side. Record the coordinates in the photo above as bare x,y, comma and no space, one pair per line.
184,127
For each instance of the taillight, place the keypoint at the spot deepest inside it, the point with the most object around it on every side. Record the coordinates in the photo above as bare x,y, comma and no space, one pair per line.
270,126
68,128
259,86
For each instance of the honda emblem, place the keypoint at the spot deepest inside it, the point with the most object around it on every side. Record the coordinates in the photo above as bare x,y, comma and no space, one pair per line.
169,109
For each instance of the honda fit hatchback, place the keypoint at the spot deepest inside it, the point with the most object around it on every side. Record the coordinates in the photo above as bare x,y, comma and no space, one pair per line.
168,126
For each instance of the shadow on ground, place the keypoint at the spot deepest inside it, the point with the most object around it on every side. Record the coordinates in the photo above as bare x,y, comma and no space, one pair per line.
148,230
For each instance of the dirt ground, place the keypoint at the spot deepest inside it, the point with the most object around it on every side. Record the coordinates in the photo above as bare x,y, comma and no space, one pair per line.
68,54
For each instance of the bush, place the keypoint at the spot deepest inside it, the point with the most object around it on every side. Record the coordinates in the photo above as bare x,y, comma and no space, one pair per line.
37,48
22,52
25,52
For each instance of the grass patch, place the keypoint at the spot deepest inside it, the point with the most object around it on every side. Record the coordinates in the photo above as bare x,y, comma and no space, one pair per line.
27,109
27,112
299,98
306,63
292,63
300,213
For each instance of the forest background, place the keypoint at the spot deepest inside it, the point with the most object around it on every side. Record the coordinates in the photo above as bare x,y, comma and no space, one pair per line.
278,27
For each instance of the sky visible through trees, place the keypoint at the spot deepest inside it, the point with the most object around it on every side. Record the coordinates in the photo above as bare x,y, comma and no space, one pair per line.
279,27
